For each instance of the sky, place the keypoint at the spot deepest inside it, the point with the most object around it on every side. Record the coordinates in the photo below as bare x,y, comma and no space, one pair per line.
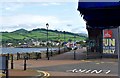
29,15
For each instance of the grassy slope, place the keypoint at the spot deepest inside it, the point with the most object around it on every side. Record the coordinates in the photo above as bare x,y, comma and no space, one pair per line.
38,35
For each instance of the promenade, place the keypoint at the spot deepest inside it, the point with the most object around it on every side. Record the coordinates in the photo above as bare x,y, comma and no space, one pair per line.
64,65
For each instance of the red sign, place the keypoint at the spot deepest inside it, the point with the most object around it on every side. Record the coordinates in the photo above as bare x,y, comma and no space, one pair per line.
107,33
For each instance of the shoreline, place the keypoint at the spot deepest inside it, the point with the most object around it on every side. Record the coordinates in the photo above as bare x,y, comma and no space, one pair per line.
29,47
34,54
26,50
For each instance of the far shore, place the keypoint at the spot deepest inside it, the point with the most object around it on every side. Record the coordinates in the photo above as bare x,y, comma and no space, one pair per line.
30,47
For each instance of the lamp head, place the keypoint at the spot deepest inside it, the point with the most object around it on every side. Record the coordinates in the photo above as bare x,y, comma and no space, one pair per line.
47,25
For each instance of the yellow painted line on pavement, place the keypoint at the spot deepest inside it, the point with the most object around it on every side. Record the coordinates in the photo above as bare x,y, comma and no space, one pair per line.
82,60
110,62
46,74
97,63
85,61
102,62
88,61
1,74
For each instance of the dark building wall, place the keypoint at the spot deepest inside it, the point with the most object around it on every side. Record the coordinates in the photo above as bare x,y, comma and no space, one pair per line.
95,37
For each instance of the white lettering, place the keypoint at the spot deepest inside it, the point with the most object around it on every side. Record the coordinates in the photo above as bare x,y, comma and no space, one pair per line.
96,71
107,71
80,70
89,71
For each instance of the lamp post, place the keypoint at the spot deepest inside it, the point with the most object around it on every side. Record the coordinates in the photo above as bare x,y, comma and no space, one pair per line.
74,49
47,25
51,49
64,41
59,43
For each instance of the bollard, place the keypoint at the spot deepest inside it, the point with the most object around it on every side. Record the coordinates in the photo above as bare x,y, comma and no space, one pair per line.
64,49
36,55
8,56
87,55
28,55
17,55
46,54
59,50
51,53
11,61
7,67
40,55
24,63
74,55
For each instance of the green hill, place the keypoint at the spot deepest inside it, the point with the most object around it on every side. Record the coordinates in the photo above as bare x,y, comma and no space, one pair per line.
39,34
20,31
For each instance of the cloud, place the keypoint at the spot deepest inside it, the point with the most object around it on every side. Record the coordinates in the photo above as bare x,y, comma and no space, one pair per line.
7,8
59,0
30,21
11,6
55,3
38,0
44,4
51,3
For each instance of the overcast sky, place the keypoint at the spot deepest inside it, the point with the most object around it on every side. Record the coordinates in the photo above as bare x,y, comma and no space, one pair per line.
31,15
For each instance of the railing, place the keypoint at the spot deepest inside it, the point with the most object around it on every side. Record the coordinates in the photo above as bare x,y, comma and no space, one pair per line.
34,55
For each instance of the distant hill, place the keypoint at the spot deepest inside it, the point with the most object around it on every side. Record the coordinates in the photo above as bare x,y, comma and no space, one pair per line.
82,34
20,31
40,34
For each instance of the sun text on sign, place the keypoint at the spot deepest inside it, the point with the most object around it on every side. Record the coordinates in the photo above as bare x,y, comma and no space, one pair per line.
109,46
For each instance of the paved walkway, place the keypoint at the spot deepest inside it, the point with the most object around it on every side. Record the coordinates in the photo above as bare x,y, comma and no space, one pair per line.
17,73
65,65
79,55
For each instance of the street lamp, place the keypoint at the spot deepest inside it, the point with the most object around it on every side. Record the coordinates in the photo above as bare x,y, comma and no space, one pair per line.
74,49
59,43
51,48
47,25
64,41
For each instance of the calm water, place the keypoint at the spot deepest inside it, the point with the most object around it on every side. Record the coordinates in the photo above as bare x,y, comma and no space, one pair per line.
15,50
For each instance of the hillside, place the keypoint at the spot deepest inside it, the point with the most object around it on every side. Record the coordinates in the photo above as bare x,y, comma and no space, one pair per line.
39,34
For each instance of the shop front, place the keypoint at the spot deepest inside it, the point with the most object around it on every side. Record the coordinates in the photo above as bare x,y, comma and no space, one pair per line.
102,22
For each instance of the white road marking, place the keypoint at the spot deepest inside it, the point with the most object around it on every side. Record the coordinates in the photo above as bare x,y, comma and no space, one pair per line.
97,71
89,71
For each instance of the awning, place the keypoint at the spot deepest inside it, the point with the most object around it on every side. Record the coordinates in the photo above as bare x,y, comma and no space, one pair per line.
100,14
